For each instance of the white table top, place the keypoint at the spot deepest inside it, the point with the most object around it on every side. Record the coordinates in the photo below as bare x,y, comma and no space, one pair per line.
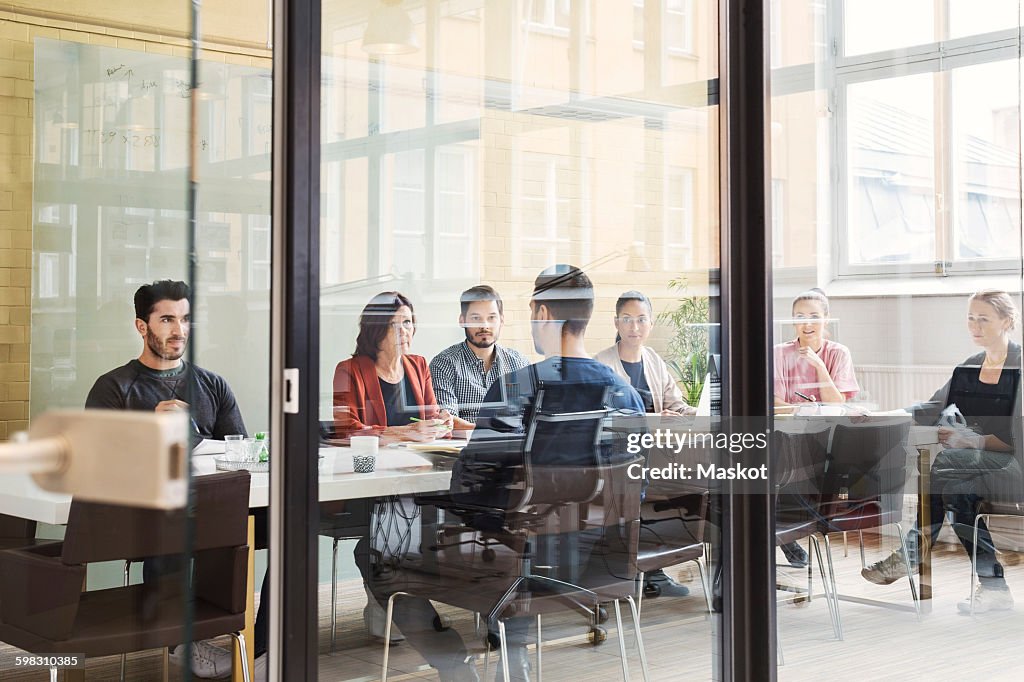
406,473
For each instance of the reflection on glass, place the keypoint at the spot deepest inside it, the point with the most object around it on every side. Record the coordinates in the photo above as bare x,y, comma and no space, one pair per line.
891,185
539,134
986,121
906,23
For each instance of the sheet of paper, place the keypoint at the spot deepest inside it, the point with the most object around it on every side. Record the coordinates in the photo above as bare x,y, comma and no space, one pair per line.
340,461
209,447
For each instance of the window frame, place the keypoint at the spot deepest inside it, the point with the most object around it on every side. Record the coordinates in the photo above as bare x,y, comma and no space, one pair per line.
940,58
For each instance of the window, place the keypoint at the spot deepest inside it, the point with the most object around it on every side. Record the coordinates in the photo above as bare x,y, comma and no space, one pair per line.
49,275
775,34
678,218
408,226
778,223
929,144
455,211
552,15
677,25
543,213
259,252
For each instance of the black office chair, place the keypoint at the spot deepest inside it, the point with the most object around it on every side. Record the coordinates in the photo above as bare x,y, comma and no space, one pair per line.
798,467
546,479
864,485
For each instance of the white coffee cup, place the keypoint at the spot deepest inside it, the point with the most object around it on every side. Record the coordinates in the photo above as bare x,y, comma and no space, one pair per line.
364,445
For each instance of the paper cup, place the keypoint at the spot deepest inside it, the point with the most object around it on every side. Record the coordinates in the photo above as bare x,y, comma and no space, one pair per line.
364,464
364,453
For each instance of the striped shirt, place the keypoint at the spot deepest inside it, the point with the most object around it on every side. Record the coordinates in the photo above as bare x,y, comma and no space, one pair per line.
460,381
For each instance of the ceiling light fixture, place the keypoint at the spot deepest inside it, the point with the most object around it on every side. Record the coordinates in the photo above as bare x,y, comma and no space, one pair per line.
390,30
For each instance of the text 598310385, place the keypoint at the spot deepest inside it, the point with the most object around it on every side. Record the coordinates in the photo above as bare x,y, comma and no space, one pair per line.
59,661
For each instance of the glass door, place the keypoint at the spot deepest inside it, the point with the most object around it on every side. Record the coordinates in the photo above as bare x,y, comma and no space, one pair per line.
515,198
134,264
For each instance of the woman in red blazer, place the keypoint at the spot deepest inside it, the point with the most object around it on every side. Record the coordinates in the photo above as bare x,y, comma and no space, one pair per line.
382,390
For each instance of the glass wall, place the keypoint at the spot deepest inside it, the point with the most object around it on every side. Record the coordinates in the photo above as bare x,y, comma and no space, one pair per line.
96,137
469,144
895,150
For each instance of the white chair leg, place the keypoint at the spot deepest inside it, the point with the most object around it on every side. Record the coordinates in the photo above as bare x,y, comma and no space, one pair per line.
810,570
53,675
704,583
387,635
540,658
504,651
334,593
910,571
640,591
846,545
835,588
124,657
826,586
639,639
240,639
863,559
974,557
622,642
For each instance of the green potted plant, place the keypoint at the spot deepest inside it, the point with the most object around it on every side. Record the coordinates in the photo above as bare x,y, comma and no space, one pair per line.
687,355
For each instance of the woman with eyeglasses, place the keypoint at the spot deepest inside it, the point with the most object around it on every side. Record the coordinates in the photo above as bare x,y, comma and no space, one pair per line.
383,390
811,367
646,372
640,364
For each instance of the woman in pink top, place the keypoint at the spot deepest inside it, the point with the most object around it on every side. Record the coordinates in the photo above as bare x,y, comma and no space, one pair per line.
820,369
811,365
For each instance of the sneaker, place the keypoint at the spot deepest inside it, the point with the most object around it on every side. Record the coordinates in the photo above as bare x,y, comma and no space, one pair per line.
259,668
795,554
658,584
987,599
208,661
375,619
887,571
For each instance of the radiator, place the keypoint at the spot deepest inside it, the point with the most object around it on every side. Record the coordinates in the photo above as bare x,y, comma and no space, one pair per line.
894,386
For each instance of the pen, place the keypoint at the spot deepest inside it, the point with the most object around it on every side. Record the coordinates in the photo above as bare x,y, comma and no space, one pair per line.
805,397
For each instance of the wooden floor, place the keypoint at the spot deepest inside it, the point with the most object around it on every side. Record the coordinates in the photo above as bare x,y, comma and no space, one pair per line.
879,643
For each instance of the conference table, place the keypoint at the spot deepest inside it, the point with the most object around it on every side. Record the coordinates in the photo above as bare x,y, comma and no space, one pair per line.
400,471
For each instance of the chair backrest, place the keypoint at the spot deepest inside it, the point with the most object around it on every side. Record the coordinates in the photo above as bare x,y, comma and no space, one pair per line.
799,460
562,447
869,460
102,532
983,400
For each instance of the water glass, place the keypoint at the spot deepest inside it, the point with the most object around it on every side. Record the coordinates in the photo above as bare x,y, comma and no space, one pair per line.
233,446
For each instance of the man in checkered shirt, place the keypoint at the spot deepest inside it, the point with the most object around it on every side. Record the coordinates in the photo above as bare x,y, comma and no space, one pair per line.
462,373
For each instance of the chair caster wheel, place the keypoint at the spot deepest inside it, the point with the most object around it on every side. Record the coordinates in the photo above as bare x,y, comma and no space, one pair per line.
488,555
598,635
442,623
601,614
492,641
